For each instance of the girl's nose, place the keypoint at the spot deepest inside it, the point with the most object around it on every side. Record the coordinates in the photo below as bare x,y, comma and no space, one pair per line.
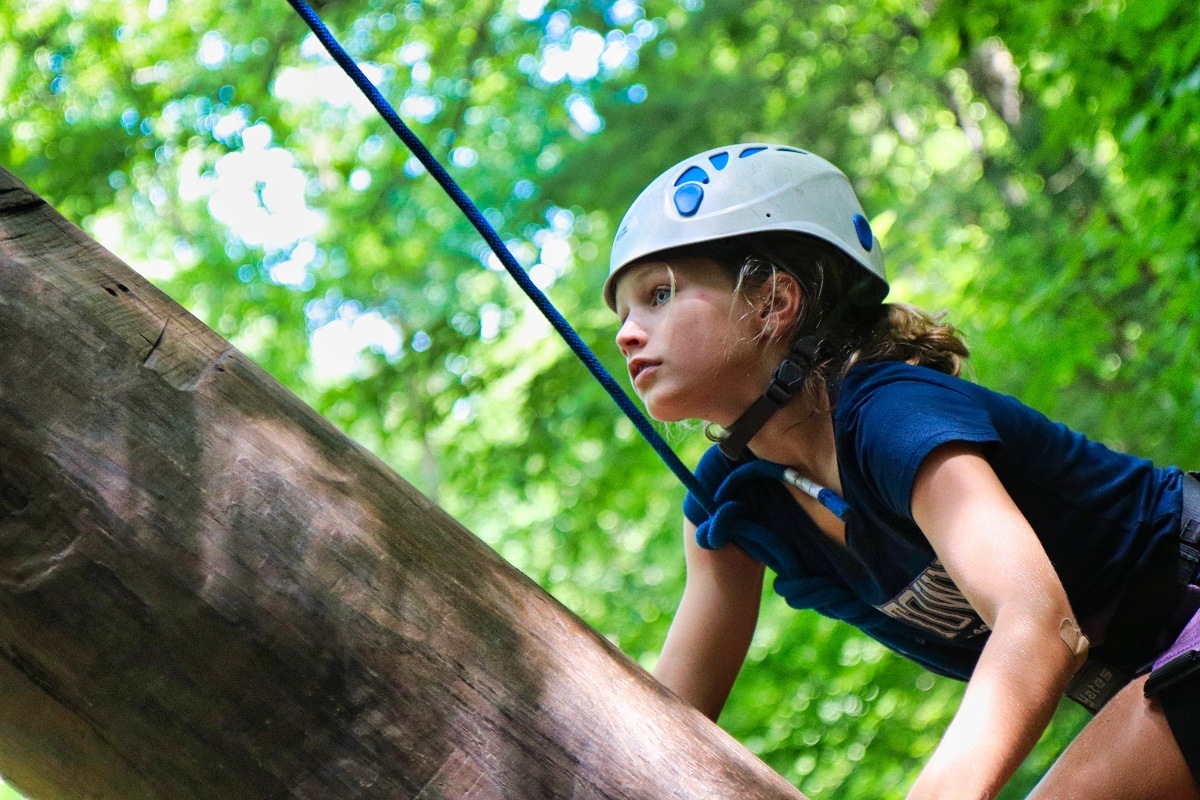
630,337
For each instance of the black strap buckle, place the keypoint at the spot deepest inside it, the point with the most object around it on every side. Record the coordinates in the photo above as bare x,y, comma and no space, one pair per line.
787,379
785,382
1175,671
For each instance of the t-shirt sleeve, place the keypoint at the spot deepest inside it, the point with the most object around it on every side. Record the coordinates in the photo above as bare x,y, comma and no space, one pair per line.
900,423
712,470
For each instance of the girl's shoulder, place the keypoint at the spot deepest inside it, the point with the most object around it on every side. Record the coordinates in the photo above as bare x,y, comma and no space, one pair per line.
866,375
898,382
890,415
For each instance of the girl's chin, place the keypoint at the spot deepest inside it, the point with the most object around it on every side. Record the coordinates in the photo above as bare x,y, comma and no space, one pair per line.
665,402
656,411
663,410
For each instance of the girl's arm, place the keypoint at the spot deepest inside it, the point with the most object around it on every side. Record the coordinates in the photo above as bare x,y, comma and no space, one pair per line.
712,629
998,563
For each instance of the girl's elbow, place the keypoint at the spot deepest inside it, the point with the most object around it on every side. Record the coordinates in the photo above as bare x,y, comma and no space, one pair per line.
1045,632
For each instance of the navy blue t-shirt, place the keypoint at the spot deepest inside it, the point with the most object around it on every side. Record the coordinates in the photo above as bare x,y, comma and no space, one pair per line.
1098,513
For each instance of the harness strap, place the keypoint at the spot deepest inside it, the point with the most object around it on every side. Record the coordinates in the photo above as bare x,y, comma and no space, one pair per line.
1189,535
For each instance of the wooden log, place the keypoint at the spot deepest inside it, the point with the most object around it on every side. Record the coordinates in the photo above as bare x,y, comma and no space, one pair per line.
207,591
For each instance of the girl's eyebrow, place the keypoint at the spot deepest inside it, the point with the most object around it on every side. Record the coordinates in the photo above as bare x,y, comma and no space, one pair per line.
652,272
633,287
643,275
637,280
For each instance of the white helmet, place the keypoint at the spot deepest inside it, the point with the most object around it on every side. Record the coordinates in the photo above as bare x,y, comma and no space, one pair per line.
745,189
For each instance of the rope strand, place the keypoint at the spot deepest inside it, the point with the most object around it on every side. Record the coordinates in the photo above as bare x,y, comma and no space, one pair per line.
502,252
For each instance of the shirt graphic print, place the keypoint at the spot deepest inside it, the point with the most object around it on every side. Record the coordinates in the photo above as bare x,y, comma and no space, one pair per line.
934,602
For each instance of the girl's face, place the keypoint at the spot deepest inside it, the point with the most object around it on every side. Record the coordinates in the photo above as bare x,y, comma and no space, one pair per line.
694,350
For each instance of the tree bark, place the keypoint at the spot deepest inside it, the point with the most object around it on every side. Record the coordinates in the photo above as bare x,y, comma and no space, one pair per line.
207,591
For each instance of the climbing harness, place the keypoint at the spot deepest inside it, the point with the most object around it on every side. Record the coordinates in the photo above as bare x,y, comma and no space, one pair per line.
502,252
1182,660
1172,573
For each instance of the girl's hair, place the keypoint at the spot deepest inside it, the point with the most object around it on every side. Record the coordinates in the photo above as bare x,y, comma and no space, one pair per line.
881,332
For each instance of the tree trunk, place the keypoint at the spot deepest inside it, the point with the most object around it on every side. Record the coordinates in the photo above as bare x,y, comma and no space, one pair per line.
206,591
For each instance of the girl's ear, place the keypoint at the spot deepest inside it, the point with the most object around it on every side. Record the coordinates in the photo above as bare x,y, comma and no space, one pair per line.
781,301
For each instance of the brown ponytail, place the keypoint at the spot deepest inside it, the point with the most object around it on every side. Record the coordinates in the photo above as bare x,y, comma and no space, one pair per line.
907,333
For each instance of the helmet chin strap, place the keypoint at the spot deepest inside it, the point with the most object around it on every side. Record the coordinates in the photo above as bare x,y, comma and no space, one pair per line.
786,381
788,378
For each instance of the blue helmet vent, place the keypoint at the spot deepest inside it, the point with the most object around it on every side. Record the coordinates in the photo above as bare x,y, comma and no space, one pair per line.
692,174
792,150
863,229
719,160
749,151
688,198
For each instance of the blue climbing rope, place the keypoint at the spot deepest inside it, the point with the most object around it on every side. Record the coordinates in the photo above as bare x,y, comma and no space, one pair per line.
502,252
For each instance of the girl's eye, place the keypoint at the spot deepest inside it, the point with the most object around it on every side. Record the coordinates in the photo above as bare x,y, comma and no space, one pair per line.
660,295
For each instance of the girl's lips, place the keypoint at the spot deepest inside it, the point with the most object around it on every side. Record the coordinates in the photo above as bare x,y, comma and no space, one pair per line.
639,369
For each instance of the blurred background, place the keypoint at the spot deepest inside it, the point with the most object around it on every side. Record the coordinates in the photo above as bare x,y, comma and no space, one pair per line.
1033,169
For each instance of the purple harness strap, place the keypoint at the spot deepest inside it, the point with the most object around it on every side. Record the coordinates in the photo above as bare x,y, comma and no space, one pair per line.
1189,638
1182,659
1174,683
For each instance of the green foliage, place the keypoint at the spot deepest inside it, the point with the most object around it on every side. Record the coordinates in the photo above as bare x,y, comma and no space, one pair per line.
1031,168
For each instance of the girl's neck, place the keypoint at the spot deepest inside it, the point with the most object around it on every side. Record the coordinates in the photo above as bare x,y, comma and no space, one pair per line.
800,435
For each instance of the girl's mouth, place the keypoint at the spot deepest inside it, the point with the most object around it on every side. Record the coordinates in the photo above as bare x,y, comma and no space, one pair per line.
639,367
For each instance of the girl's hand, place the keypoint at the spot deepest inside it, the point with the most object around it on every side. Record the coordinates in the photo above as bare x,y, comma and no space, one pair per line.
997,561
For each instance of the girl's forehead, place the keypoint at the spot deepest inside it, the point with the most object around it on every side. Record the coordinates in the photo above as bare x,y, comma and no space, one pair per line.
654,267
644,269
693,269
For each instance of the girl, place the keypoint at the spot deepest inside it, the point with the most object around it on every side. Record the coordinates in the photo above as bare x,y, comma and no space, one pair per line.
955,525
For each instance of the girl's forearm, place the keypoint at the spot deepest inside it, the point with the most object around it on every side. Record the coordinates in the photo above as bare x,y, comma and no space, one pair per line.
706,646
1017,683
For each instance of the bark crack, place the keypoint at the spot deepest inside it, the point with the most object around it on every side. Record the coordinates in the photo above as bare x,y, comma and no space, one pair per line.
152,356
18,200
